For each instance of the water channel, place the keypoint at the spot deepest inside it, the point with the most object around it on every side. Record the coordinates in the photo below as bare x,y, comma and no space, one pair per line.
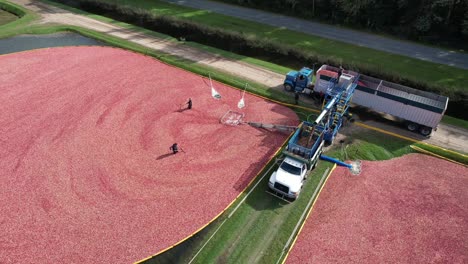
29,42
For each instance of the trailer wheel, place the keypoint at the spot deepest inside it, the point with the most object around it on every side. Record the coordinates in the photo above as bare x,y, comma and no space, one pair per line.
425,131
412,126
288,87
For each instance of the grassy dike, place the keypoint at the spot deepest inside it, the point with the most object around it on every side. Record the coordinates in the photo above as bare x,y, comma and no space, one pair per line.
448,154
455,121
18,26
6,17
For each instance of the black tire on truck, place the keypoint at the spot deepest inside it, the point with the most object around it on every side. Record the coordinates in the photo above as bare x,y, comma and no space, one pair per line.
288,87
412,126
425,131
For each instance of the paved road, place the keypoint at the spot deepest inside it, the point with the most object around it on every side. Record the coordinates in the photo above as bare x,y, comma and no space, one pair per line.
405,48
446,136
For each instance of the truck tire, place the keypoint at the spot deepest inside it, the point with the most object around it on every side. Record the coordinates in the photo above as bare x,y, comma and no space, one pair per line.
288,87
425,131
412,126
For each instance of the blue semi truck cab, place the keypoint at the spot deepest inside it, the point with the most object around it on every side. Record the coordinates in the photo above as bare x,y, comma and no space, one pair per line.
299,81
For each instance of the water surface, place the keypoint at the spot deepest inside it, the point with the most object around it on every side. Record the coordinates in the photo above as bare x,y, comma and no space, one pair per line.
29,42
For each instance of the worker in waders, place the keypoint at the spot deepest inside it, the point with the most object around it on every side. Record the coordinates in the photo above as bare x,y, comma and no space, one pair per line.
174,148
189,103
322,97
296,97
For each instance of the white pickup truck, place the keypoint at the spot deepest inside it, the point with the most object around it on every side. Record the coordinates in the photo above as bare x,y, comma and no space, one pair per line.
301,156
289,178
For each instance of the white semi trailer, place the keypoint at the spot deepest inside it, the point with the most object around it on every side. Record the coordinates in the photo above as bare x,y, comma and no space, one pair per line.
421,110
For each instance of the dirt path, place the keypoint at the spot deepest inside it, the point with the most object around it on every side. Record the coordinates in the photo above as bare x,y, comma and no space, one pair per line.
446,136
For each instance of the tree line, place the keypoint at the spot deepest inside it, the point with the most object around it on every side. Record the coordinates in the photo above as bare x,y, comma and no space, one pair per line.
434,21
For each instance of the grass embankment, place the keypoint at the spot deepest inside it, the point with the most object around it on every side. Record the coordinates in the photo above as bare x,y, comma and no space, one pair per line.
455,121
448,154
6,17
23,18
306,15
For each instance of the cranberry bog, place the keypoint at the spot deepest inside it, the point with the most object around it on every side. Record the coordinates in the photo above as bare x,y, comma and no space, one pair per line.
411,209
86,171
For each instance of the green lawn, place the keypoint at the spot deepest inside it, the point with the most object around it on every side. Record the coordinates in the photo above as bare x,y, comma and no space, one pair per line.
452,155
455,121
432,73
447,47
16,26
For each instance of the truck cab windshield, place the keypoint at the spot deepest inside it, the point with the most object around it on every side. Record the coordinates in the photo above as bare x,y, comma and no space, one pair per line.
290,168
